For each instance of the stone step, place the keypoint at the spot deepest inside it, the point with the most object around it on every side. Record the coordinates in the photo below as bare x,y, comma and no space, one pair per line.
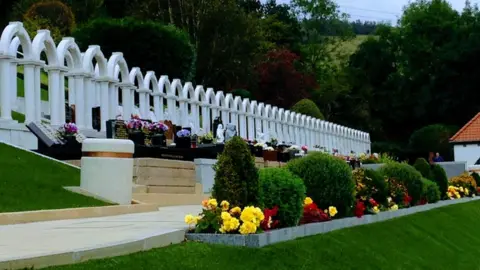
167,199
171,189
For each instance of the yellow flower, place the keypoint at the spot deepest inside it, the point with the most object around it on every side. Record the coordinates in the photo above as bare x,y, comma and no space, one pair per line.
457,195
225,205
461,189
190,220
225,216
363,198
236,210
466,191
248,228
307,201
394,207
212,203
389,199
258,216
230,225
247,214
375,209
332,211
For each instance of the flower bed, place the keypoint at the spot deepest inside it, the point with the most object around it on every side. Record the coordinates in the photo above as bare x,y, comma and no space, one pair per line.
275,236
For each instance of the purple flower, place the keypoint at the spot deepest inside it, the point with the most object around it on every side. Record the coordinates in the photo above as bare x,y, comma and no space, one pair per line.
70,129
135,124
157,127
183,133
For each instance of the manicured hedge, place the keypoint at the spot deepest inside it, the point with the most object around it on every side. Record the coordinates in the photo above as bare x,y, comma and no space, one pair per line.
431,192
328,180
406,174
279,187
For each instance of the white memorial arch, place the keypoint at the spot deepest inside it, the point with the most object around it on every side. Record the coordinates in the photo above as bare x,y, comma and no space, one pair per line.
94,81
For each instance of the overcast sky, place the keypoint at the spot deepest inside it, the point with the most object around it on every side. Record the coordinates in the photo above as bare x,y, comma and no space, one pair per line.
379,10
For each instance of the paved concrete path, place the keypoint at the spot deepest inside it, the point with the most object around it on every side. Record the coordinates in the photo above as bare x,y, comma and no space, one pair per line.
47,243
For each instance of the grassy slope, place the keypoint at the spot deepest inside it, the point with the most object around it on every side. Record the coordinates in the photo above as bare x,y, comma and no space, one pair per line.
29,182
444,238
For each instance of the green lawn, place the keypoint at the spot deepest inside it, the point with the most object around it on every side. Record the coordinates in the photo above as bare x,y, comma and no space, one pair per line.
444,238
29,182
21,90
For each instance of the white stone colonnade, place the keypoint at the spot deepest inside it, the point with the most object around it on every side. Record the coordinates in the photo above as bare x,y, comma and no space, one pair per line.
93,80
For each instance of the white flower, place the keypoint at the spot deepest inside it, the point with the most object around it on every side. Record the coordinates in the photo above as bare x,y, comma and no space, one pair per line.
269,149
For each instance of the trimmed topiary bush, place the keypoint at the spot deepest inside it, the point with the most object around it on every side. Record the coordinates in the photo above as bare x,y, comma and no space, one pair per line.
307,107
431,192
379,183
423,167
236,177
53,13
279,187
407,175
439,176
151,45
328,180
476,177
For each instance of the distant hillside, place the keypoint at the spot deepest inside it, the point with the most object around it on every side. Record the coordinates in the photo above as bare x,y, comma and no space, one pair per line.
347,48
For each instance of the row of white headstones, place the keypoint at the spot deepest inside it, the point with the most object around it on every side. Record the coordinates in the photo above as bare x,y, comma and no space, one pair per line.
99,85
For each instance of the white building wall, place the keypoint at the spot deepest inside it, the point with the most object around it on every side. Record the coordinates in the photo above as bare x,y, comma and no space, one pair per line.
467,152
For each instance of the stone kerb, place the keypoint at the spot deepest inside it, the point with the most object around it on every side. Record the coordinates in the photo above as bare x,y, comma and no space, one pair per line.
107,169
287,234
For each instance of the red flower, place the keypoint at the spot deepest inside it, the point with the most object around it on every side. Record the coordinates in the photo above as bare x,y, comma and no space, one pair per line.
268,223
372,202
359,209
406,199
311,213
422,201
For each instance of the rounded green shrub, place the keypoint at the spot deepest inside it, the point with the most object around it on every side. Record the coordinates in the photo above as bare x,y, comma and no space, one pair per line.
52,13
430,191
151,45
407,175
476,176
380,185
307,107
328,180
423,167
279,187
236,177
439,176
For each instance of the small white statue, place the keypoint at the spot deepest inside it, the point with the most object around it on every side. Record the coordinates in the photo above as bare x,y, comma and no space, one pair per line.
230,131
220,136
261,137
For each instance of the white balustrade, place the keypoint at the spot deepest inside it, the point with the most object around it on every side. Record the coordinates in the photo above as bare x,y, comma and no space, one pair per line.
183,103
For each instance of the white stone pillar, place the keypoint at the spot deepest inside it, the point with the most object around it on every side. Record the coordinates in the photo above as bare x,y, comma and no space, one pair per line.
5,101
89,96
38,94
54,96
126,103
13,83
98,94
158,106
79,102
71,90
242,128
205,117
29,86
62,97
104,105
107,169
112,108
251,126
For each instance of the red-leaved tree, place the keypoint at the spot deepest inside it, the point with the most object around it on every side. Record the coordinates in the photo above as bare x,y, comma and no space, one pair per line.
280,82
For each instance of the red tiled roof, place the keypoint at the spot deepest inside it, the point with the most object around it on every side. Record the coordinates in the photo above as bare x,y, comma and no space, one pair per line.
470,132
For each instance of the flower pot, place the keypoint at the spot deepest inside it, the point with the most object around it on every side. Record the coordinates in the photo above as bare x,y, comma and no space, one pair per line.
183,142
159,140
137,137
270,155
70,140
258,151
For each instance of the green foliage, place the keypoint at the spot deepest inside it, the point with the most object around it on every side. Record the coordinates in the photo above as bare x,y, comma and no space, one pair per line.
433,138
328,180
243,93
476,177
236,177
407,175
439,176
164,49
283,189
53,14
423,167
380,185
431,191
382,158
32,26
307,107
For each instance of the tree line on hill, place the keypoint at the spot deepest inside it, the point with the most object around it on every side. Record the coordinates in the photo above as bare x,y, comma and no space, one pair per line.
401,78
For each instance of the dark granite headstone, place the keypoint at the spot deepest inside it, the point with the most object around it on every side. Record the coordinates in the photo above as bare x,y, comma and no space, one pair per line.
119,130
96,118
68,114
45,134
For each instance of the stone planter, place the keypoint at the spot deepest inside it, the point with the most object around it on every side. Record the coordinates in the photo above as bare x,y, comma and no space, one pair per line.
270,155
286,234
373,166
